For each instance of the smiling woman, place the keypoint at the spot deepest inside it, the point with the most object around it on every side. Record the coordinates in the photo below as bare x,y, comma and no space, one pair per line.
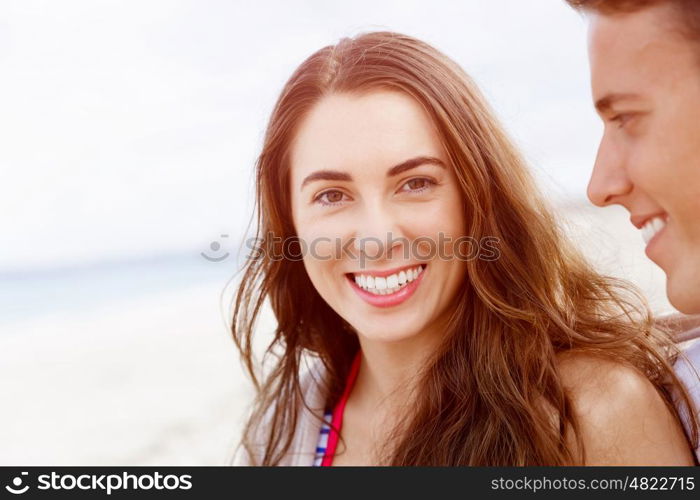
394,186
416,353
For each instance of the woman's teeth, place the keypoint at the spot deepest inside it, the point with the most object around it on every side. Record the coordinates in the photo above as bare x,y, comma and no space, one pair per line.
652,227
388,284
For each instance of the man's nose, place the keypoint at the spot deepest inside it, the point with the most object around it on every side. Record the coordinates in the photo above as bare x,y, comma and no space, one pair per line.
609,180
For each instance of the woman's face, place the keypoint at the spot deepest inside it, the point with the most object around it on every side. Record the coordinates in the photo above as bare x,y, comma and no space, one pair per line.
373,200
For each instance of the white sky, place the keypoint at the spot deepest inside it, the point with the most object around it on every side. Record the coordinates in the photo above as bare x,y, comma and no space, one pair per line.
130,128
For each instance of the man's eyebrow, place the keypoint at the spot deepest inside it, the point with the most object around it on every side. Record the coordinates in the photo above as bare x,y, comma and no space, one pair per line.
605,103
335,175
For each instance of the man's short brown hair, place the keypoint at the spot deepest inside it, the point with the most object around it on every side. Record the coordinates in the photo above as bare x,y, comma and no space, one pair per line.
614,6
687,10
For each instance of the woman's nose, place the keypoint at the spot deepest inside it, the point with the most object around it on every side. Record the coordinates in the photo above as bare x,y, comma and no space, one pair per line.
378,234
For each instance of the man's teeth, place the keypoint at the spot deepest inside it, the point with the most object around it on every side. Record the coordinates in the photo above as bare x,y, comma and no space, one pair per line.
388,284
652,227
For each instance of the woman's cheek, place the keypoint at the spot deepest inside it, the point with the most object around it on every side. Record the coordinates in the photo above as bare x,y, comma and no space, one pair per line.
321,248
320,243
426,229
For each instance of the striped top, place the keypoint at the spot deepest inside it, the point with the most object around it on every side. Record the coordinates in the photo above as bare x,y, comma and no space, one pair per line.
323,438
333,421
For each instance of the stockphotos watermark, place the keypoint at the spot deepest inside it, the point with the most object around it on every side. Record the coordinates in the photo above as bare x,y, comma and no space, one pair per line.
424,248
100,482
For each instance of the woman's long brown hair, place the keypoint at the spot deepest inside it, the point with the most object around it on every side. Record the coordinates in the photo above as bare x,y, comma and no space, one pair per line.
490,394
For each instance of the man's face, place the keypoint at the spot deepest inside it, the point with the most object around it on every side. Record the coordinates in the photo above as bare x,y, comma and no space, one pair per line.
645,80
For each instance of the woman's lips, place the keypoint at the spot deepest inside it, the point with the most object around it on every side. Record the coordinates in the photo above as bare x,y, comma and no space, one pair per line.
390,300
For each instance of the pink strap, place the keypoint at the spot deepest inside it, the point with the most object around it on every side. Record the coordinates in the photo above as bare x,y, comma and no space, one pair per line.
337,419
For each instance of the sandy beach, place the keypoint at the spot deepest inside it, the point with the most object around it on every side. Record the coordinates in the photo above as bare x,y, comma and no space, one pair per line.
156,380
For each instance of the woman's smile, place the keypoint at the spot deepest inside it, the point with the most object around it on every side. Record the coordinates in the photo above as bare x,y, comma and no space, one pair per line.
387,288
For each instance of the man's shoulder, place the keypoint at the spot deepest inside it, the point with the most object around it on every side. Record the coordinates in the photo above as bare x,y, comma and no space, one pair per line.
687,366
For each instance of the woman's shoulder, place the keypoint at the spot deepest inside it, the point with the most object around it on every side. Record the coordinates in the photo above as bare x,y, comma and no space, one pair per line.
592,378
311,376
623,419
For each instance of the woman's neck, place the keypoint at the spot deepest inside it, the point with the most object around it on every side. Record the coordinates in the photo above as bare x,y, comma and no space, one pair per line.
389,372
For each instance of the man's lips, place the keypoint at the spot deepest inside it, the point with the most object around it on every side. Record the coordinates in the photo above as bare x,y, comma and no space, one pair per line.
639,220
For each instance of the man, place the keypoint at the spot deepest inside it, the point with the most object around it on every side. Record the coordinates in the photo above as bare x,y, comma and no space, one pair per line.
645,79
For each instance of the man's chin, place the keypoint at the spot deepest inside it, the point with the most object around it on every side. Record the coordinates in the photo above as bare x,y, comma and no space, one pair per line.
683,294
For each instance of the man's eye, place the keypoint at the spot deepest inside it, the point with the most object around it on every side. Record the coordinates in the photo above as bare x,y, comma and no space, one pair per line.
621,119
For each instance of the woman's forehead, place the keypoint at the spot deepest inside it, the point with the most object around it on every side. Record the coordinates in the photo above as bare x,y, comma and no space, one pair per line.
363,131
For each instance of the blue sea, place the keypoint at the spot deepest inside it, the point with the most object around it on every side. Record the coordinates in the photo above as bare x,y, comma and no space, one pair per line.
31,293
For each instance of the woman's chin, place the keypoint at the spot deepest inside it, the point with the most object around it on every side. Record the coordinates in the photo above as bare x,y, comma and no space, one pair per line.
390,334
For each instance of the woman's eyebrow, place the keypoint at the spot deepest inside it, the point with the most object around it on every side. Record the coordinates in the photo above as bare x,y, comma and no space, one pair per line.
413,163
336,175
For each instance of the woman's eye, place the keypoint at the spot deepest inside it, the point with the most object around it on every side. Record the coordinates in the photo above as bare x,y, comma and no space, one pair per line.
335,197
418,184
331,197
